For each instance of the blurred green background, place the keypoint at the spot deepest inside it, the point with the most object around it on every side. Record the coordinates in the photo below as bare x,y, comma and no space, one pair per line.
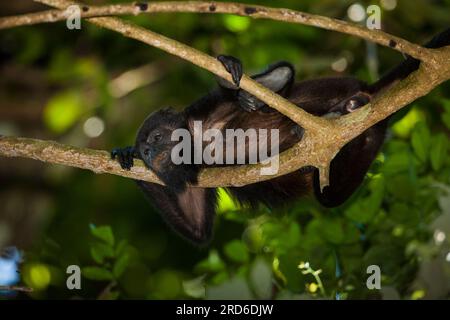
93,88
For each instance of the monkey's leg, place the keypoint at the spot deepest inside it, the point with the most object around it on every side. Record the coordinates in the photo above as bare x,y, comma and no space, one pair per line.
125,156
349,167
356,101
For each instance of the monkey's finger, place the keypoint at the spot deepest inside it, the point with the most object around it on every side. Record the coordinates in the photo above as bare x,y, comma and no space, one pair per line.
114,153
236,73
248,102
131,163
122,160
129,158
244,105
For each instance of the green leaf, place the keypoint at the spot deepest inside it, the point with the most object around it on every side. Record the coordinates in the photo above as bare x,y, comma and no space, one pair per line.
421,140
261,279
439,150
100,251
402,187
294,233
121,248
195,288
400,212
225,202
235,288
446,119
220,277
97,273
332,230
397,162
236,23
103,233
62,111
211,264
404,126
366,208
236,251
120,265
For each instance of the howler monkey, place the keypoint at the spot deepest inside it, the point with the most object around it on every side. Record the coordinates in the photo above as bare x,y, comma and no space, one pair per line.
190,210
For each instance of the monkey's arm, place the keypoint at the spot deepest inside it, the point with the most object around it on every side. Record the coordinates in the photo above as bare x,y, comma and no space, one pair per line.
190,213
278,77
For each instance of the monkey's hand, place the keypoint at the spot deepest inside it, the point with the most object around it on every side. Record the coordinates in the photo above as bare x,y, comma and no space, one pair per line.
125,156
234,67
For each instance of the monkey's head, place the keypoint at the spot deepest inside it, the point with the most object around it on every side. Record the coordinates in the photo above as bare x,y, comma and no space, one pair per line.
154,145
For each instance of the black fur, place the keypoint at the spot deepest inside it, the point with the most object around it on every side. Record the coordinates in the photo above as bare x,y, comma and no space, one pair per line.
190,210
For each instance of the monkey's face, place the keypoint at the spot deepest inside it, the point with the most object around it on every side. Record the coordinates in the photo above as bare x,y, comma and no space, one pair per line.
156,148
154,141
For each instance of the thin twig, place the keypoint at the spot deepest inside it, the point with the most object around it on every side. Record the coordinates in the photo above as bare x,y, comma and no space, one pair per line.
16,288
107,290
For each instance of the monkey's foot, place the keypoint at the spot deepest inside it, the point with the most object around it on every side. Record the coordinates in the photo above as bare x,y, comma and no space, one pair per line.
125,156
233,66
351,104
297,131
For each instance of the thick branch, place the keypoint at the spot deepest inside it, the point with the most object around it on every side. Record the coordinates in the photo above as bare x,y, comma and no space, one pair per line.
322,140
99,162
242,9
56,153
314,149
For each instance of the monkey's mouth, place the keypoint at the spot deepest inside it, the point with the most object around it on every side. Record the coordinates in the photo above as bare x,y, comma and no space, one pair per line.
155,160
146,157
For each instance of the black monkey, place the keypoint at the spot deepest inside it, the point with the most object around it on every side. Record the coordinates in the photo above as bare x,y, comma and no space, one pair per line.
190,210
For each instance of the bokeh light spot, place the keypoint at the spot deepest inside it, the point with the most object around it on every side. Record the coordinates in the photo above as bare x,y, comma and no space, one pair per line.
356,12
93,127
38,276
388,4
339,65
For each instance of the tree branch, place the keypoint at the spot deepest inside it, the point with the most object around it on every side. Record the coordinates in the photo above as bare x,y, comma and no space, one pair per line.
241,9
304,119
316,148
16,288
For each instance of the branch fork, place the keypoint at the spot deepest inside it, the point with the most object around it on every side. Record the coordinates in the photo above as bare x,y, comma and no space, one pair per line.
323,137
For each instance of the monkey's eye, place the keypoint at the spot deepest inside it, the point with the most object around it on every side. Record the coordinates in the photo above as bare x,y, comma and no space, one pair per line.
157,137
146,152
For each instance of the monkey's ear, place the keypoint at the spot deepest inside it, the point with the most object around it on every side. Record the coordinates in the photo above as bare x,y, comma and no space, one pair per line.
278,77
190,212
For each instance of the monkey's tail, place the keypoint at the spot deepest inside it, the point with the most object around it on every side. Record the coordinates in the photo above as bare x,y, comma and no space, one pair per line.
410,65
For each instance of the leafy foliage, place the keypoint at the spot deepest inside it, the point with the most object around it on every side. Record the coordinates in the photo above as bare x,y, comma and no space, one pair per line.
399,219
